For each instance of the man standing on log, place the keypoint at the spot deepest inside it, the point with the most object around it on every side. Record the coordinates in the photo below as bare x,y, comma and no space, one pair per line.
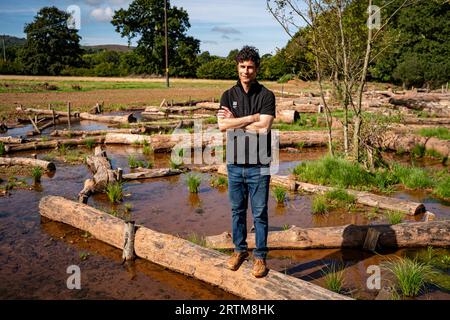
246,114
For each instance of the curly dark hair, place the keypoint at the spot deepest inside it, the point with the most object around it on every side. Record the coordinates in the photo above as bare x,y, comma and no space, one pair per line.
248,53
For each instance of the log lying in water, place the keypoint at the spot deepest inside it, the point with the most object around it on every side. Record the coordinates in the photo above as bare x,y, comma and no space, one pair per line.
151,173
431,121
51,144
103,174
362,197
128,118
407,142
84,133
28,162
12,139
157,115
165,142
403,235
314,138
183,256
47,112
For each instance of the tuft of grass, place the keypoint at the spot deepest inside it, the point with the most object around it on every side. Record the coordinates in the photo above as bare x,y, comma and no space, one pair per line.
442,188
319,205
89,143
333,171
63,149
193,183
285,227
412,177
2,148
418,151
174,165
114,192
36,173
300,145
340,197
410,274
434,154
147,150
84,255
132,162
128,207
440,133
334,277
279,194
197,239
219,181
394,217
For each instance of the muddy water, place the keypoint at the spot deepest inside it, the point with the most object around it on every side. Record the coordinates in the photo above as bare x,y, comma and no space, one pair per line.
35,252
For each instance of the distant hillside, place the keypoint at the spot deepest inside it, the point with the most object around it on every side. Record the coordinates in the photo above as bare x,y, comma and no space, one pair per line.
111,47
12,41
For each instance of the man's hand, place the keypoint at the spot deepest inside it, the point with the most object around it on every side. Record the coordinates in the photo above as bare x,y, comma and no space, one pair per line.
225,113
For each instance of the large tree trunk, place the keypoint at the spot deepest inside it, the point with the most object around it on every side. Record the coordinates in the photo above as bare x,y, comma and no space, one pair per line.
103,174
162,115
287,116
84,133
416,234
47,112
151,173
28,162
11,140
51,144
183,256
108,119
406,142
432,121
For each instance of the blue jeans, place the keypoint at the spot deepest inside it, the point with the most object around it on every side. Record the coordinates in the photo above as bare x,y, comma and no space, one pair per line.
244,182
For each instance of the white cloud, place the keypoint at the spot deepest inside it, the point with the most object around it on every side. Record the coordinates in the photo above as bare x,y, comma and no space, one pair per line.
102,14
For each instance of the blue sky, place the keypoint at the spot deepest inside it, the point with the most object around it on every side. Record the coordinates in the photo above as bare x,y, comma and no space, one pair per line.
221,25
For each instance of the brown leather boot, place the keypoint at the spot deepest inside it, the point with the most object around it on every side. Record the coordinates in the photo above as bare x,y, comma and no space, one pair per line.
259,268
236,259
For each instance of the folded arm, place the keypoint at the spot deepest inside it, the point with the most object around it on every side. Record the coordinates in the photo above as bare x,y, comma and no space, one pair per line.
262,125
226,120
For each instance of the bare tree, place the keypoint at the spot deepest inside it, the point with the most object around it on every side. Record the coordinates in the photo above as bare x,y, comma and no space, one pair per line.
342,36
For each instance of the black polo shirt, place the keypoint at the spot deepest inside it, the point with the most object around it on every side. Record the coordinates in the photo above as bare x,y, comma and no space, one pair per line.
257,149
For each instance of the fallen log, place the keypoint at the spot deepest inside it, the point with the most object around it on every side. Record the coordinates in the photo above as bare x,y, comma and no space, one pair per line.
47,112
76,133
35,145
103,174
161,115
314,138
287,116
28,162
165,142
182,256
406,142
415,103
12,139
151,173
128,118
431,121
403,235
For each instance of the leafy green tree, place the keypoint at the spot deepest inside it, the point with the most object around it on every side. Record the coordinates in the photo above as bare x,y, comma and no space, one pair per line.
51,45
220,68
419,49
144,19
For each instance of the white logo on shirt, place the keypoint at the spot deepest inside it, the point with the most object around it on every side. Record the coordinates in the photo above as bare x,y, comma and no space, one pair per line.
235,104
